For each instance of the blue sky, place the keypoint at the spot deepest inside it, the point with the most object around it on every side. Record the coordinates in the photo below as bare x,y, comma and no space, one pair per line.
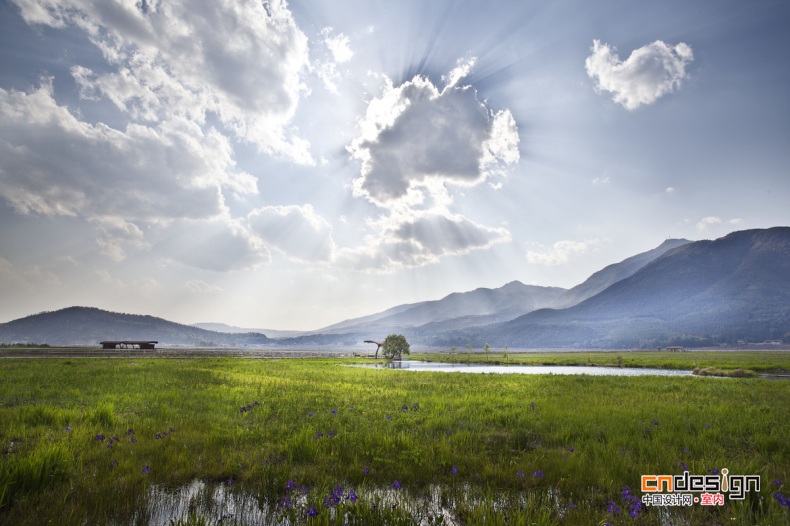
290,165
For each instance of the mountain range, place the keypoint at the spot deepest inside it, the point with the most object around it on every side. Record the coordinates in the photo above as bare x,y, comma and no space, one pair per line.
682,292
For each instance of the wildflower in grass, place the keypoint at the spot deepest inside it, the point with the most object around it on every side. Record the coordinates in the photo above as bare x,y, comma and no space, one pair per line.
404,407
310,414
783,501
396,484
655,422
351,406
532,406
158,436
389,417
116,439
99,438
130,431
113,463
68,428
415,406
707,426
449,432
393,507
133,440
311,511
333,411
330,433
685,450
571,449
352,495
373,505
520,474
230,480
366,470
613,508
538,474
683,466
776,482
571,506
286,503
290,485
713,471
146,469
454,470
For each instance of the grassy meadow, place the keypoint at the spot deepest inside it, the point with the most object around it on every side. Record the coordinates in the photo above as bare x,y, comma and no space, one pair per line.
314,441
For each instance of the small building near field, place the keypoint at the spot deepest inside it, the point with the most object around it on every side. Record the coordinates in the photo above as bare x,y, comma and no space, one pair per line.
676,348
128,344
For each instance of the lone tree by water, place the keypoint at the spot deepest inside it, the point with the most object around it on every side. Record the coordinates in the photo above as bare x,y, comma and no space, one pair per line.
394,346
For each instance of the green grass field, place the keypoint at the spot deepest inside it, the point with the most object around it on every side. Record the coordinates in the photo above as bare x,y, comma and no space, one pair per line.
102,441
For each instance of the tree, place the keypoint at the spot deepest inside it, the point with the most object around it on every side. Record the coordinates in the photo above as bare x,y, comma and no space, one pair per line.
394,346
487,349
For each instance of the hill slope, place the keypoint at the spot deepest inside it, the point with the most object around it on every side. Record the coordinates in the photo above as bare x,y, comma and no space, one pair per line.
89,326
706,292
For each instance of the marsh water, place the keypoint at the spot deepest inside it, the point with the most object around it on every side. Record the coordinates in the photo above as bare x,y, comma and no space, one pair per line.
416,365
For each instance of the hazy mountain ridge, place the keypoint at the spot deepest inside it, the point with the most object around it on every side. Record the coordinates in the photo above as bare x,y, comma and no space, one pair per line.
705,292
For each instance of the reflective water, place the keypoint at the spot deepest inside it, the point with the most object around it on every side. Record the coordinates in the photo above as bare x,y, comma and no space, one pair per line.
416,365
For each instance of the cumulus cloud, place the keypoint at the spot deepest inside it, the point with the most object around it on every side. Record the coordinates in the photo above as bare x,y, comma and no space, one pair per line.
706,223
240,61
649,73
297,231
218,244
334,49
414,133
415,141
52,163
116,233
421,239
562,251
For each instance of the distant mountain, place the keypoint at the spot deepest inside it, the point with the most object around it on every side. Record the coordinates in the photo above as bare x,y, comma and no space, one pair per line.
230,329
480,306
700,293
89,326
610,275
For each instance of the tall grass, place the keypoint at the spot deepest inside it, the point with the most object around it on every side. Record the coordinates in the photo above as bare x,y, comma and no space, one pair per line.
85,441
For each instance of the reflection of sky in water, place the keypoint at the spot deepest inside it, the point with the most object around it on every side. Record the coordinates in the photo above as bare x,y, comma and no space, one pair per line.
413,365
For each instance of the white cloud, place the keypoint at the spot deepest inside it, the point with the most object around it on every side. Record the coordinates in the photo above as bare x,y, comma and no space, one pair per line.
562,251
649,72
463,69
706,222
670,190
602,180
335,49
200,287
218,244
115,234
240,61
338,45
297,231
421,239
413,134
51,163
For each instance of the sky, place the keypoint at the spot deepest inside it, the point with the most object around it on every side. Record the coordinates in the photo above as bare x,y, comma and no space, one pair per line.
291,165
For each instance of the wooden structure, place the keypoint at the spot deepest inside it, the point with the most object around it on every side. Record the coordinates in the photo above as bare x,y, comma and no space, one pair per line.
128,344
676,348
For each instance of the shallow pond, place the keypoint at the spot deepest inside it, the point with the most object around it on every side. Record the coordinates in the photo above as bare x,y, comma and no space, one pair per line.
416,365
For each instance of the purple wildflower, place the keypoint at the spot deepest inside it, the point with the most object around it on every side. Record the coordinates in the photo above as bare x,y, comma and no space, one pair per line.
352,495
366,470
286,503
290,485
230,480
133,440
571,449
571,505
783,501
351,406
520,474
311,511
113,463
683,466
146,469
454,470
130,431
333,411
713,471
389,417
613,508
68,428
310,414
404,407
99,437
532,406
655,422
396,484
330,433
449,432
538,474
776,482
